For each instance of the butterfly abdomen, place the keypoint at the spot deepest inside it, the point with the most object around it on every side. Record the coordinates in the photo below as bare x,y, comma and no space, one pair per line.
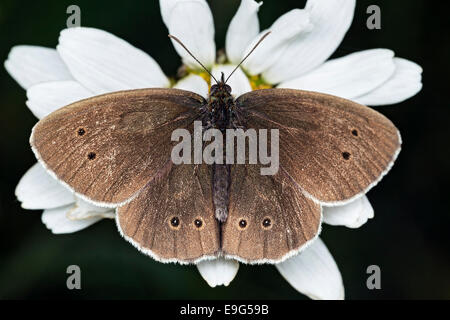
221,187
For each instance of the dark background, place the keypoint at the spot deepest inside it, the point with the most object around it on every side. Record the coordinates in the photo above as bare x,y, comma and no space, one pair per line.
408,238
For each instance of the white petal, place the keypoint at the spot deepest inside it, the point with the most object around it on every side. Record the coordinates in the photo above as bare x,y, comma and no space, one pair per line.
167,6
38,190
84,210
57,221
238,82
331,20
218,272
193,83
44,98
243,28
314,273
29,65
192,23
289,26
405,83
352,215
104,63
350,76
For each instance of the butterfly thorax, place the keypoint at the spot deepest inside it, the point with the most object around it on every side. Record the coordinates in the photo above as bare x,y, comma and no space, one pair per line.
220,107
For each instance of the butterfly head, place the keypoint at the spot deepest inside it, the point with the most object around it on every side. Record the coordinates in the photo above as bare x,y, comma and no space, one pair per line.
221,88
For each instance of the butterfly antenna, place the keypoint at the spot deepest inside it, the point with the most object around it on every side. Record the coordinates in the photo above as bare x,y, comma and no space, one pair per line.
248,54
181,44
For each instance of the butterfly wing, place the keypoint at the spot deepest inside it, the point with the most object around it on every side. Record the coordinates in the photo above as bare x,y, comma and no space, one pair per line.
172,219
334,149
109,147
269,218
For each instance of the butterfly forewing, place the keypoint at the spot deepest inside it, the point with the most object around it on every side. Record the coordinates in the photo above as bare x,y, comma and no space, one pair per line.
109,147
334,149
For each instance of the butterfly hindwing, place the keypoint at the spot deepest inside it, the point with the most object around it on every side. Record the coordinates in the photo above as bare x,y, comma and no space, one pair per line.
108,147
334,149
269,217
172,218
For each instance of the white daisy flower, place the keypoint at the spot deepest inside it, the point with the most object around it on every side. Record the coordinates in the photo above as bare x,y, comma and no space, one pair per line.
89,61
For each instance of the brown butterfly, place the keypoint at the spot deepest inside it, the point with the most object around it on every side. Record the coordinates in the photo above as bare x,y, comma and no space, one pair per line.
114,150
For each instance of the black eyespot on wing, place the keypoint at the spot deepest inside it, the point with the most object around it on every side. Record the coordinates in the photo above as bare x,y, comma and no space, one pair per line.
91,155
346,155
355,132
174,223
198,223
81,131
267,223
242,223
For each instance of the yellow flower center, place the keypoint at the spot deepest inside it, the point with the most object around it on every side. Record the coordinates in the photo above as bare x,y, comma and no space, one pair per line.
257,83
